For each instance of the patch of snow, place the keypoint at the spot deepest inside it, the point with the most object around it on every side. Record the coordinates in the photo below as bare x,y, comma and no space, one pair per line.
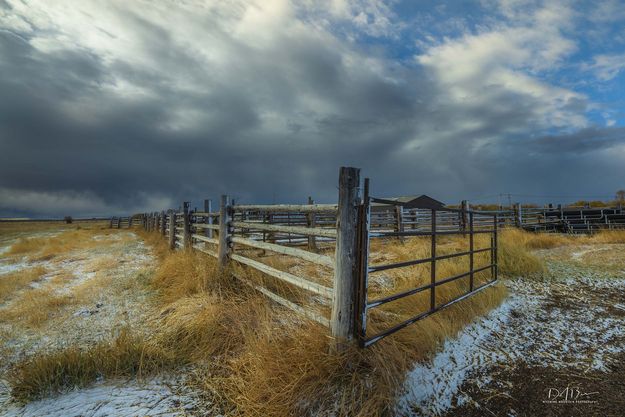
432,386
8,267
155,399
525,327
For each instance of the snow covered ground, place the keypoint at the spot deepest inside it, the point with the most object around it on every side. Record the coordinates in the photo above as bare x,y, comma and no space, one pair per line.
570,321
114,304
154,399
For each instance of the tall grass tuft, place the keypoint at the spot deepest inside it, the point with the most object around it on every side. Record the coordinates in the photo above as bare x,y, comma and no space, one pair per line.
609,236
51,373
514,257
15,281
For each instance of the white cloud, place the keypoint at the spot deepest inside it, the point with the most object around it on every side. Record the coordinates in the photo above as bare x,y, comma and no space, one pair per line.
507,59
372,17
606,67
607,11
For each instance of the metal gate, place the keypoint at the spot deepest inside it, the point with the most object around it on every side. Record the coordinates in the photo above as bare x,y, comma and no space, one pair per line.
469,224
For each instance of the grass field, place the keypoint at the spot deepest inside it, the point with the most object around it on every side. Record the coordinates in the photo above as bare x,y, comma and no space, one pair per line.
244,354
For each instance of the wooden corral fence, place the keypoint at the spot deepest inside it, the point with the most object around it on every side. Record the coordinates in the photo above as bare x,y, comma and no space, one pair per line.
121,222
334,237
546,219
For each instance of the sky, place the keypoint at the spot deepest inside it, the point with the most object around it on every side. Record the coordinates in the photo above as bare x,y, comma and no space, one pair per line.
115,107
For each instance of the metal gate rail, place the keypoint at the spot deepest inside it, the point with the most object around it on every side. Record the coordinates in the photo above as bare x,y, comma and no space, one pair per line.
364,237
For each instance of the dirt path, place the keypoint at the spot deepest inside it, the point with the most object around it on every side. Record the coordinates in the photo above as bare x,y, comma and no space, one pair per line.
553,348
102,290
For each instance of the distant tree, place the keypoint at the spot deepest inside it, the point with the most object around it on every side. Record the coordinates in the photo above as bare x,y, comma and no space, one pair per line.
620,196
68,219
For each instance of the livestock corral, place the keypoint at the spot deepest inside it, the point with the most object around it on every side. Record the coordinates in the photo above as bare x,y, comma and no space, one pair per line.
370,306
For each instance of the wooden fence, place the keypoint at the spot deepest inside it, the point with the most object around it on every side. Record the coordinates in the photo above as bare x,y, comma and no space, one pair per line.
336,238
330,236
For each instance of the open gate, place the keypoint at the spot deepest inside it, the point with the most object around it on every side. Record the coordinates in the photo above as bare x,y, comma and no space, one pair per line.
469,225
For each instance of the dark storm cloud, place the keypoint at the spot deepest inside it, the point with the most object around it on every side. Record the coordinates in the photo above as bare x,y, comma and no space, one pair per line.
580,142
90,129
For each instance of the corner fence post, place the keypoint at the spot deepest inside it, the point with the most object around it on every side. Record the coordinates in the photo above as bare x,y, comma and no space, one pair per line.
342,322
224,231
186,225
172,229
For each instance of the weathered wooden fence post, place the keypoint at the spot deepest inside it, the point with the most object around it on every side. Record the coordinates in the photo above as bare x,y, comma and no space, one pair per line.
224,231
208,208
464,208
111,223
172,229
311,222
342,322
399,220
119,222
186,224
518,215
163,222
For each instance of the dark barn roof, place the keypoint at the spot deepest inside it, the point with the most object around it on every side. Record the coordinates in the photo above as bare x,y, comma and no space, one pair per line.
423,202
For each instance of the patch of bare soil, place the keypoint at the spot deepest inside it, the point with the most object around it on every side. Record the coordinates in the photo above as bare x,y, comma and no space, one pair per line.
523,390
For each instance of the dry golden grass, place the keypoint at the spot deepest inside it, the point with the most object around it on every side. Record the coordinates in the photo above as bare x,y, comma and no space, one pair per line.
608,236
514,257
256,359
59,246
156,241
15,281
102,264
50,373
289,371
185,273
35,307
90,289
18,227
